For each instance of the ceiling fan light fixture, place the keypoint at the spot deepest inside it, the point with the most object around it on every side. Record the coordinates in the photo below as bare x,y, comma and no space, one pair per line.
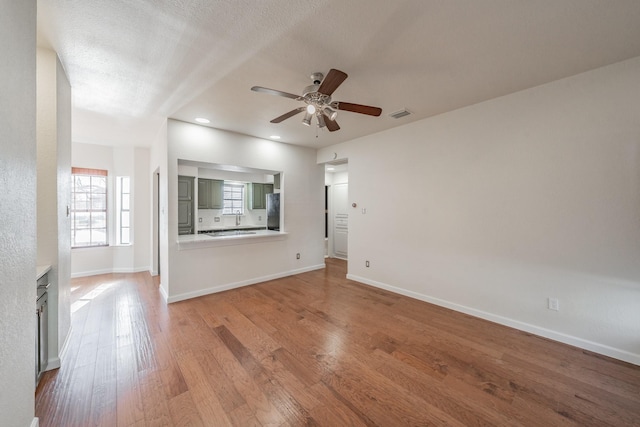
330,112
311,109
307,119
321,122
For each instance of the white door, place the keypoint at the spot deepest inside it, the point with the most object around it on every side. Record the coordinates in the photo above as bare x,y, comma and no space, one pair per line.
340,220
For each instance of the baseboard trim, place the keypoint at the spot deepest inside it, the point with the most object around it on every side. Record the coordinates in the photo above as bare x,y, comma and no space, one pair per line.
55,362
109,271
163,293
35,422
228,286
595,347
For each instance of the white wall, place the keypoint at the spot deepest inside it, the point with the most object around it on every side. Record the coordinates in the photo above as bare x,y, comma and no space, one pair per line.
63,109
159,220
514,200
200,271
54,194
18,211
119,161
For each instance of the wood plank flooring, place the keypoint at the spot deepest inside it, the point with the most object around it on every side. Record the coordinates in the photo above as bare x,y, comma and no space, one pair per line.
315,350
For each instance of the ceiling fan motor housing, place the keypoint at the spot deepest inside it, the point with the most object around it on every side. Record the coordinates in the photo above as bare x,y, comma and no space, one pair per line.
311,95
316,78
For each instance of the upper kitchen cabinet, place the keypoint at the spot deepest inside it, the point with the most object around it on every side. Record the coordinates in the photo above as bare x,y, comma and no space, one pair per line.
185,204
185,188
276,181
210,193
258,195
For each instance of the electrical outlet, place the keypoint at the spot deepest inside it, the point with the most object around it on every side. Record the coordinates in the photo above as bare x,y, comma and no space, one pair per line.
259,218
298,255
366,264
553,304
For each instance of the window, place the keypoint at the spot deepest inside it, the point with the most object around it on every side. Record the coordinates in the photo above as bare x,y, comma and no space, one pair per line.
233,198
88,207
124,210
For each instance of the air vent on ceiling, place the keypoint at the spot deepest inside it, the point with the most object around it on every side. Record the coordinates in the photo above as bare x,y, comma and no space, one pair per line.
400,113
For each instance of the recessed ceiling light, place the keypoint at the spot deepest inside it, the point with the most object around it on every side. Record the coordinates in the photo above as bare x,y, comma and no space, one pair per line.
275,137
202,120
331,169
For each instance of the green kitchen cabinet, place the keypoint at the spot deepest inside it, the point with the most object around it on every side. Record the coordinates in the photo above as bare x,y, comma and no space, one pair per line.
210,193
258,196
185,204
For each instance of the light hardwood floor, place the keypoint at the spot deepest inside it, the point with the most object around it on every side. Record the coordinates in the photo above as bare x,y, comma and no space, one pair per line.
315,349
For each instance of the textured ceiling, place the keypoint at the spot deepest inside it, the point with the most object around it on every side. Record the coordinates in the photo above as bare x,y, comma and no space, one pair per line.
145,59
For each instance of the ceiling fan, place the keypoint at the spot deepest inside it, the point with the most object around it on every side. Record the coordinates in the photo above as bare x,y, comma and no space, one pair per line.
319,104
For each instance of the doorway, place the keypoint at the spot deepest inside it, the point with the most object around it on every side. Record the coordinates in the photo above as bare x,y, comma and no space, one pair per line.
337,212
155,232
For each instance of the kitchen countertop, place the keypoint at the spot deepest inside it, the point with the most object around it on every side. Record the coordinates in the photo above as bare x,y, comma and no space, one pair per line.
227,227
41,270
198,241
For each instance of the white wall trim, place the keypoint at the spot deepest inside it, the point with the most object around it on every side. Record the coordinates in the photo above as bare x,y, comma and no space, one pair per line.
522,326
35,422
228,286
163,293
55,363
109,271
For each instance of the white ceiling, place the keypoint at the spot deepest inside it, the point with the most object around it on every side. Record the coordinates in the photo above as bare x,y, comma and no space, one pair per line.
141,60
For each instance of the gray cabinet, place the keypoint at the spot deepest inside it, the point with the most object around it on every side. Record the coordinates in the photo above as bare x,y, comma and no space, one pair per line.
42,328
185,204
276,181
210,192
258,195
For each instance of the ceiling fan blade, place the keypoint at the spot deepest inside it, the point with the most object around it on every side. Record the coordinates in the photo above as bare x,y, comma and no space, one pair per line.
332,81
285,116
358,108
275,92
332,125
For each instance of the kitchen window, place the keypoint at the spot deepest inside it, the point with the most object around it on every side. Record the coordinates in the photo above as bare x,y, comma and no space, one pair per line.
233,199
88,207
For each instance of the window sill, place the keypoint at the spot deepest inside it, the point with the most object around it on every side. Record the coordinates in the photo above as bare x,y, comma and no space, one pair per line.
73,248
101,247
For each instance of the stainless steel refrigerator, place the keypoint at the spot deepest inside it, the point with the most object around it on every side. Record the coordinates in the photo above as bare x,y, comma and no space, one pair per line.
273,211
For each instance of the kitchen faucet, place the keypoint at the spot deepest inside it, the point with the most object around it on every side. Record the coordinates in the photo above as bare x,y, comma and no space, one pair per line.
237,218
